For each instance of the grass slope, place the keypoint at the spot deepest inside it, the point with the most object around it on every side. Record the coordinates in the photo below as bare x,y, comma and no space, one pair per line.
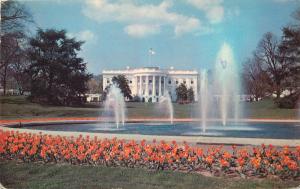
19,107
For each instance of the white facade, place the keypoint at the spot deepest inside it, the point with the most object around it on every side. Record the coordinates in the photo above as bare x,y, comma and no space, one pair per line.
150,83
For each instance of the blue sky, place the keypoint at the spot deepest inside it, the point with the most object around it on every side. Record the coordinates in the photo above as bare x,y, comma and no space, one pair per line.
186,34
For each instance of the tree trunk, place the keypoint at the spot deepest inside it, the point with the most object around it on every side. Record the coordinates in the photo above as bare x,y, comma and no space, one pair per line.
277,94
4,80
50,88
21,92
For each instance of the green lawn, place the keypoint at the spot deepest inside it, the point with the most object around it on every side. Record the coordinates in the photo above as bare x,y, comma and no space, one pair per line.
19,107
38,175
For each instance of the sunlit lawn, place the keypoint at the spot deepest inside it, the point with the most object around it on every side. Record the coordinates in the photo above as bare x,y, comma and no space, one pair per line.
19,107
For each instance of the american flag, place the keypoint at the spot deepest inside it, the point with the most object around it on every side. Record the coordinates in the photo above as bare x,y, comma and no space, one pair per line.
151,51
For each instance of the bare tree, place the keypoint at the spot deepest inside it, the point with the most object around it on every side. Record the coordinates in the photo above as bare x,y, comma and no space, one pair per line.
94,85
255,78
14,16
19,71
273,62
10,51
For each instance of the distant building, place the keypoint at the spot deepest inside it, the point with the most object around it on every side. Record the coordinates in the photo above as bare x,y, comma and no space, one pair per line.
150,83
93,97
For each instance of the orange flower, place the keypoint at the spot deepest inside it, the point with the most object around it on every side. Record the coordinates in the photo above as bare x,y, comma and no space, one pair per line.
136,157
298,149
95,157
292,165
209,159
241,161
226,155
67,156
199,152
286,150
1,149
256,162
224,163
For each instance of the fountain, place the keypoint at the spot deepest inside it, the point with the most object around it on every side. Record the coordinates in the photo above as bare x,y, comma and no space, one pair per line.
203,98
165,102
218,92
114,103
227,83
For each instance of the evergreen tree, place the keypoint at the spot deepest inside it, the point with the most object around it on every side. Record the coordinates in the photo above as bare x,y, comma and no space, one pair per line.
190,95
122,82
181,92
58,76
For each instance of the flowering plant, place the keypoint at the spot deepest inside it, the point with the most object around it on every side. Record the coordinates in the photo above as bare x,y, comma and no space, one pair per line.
260,161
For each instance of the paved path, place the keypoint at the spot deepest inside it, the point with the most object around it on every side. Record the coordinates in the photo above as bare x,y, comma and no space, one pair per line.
189,139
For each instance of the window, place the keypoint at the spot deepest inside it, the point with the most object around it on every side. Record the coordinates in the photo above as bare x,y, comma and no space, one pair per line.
130,81
107,81
170,82
176,82
150,91
184,82
192,82
143,81
150,80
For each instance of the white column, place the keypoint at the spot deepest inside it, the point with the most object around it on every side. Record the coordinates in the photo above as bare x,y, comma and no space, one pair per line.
153,88
147,86
140,85
159,86
165,81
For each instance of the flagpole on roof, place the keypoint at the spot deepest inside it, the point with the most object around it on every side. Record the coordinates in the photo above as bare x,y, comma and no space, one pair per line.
150,53
149,57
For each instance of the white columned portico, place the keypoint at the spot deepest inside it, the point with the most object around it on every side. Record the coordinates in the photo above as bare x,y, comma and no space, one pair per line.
139,81
153,87
159,86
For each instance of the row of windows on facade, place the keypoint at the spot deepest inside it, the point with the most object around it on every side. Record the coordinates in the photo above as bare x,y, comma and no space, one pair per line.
150,81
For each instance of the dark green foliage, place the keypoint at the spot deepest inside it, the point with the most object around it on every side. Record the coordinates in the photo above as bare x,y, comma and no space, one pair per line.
136,99
58,76
122,82
190,95
289,101
182,93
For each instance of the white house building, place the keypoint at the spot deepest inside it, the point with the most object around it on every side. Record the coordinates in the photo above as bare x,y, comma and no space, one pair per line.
150,83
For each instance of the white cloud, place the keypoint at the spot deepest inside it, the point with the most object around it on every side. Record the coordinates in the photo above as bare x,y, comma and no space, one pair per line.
213,9
141,20
205,31
140,30
86,35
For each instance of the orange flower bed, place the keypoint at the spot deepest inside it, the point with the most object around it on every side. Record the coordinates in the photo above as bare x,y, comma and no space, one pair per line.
259,161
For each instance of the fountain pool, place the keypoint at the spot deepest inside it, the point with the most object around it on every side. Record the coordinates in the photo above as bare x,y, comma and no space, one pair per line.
215,129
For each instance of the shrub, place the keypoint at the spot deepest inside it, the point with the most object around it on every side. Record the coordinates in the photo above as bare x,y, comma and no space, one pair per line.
288,101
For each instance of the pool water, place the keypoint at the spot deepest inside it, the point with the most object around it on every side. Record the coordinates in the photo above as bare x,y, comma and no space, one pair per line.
240,130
